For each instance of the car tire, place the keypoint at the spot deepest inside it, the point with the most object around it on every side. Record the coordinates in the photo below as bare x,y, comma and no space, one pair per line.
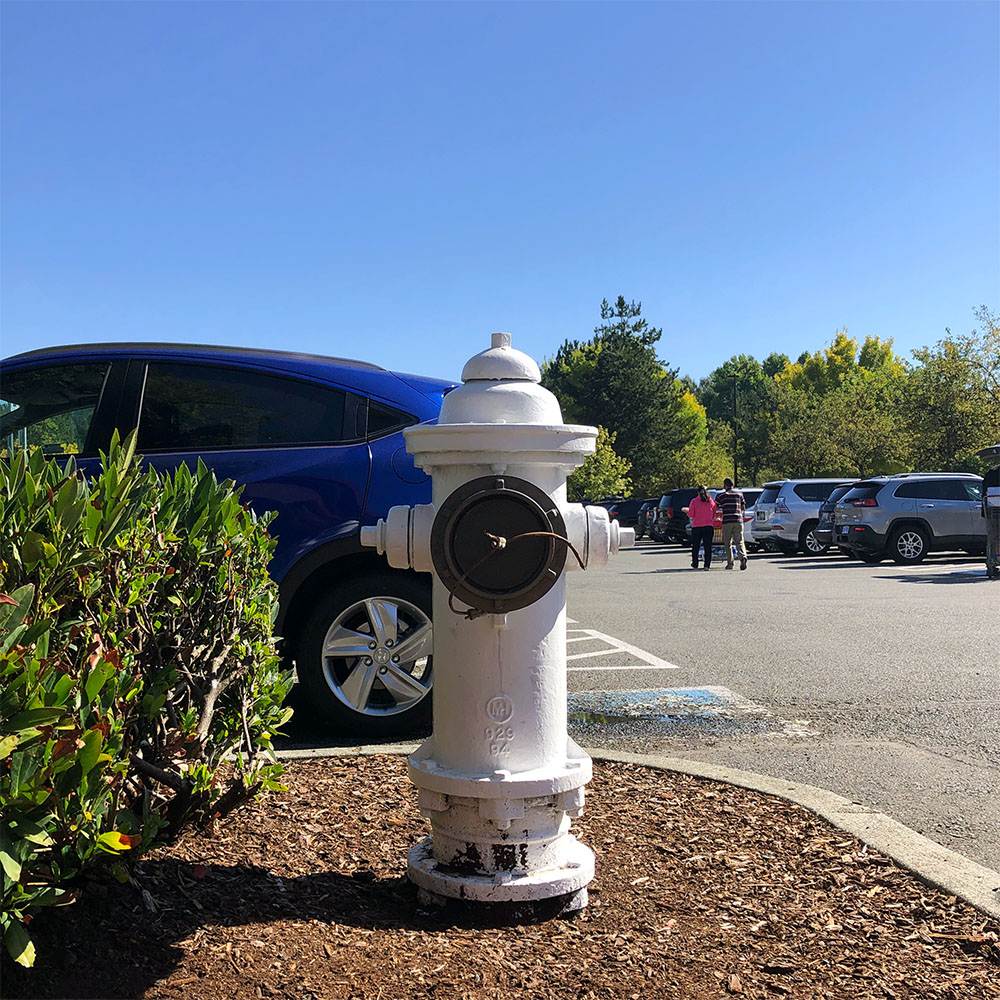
908,545
808,544
389,692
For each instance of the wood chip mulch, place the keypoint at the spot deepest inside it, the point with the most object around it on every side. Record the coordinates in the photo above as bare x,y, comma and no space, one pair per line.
702,891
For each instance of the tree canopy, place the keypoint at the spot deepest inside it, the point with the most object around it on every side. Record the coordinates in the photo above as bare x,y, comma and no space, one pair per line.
846,409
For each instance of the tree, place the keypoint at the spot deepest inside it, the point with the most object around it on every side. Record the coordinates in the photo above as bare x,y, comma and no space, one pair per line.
603,474
615,380
952,402
742,395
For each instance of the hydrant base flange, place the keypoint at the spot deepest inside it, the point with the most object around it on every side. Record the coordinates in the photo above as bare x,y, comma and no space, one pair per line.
425,772
569,878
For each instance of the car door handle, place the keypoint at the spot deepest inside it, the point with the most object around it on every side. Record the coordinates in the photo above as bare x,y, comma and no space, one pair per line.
925,506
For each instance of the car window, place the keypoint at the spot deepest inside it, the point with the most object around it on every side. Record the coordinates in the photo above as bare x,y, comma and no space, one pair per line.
51,407
837,493
973,491
769,494
863,491
954,489
933,489
813,492
750,497
193,407
383,420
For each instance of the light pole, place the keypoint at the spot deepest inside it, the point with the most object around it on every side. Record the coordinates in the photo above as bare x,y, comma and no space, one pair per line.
735,435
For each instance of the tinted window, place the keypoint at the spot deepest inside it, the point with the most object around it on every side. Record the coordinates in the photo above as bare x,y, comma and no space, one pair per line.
193,408
973,491
813,492
384,420
837,494
955,489
51,408
935,489
863,491
769,494
750,497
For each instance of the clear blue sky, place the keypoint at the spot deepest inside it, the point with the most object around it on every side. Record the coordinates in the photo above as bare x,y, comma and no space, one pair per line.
396,181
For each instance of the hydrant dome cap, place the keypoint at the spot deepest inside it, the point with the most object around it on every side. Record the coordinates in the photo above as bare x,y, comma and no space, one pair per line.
501,363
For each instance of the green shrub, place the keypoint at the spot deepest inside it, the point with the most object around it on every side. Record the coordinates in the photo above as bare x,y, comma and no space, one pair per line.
140,683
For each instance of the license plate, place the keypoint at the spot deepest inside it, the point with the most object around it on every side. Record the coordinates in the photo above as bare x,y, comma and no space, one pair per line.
844,531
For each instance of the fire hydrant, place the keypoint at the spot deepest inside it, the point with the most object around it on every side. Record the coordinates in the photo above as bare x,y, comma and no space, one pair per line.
500,778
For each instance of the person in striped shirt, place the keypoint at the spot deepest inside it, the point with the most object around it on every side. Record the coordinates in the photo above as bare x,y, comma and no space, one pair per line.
731,504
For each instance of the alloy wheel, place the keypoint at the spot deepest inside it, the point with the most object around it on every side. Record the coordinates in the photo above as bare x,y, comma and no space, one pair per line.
910,545
376,656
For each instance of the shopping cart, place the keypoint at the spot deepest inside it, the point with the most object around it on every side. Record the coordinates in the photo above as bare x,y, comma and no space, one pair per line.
991,511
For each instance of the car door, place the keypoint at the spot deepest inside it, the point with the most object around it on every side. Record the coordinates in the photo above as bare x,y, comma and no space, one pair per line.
945,505
297,446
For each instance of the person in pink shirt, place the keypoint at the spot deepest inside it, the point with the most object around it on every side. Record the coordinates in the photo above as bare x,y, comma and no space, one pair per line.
702,513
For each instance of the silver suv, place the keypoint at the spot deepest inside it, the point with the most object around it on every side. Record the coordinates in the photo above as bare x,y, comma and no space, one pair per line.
909,515
787,513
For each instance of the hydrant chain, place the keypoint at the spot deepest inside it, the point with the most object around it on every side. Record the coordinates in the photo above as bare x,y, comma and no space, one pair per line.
498,542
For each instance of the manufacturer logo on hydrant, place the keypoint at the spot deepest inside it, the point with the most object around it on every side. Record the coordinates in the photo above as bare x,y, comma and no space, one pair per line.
500,709
496,538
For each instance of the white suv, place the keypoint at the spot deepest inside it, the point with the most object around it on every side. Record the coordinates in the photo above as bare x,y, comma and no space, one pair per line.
787,513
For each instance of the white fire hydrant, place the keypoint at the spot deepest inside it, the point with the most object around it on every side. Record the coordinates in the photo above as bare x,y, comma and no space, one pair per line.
500,778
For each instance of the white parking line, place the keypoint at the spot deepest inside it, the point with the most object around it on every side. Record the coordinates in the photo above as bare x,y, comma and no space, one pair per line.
648,660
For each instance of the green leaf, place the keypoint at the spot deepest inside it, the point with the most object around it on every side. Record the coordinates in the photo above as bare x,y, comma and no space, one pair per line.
12,615
31,718
97,679
10,865
93,740
23,766
19,945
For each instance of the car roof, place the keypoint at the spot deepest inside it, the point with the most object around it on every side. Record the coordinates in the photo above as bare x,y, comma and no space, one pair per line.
916,475
317,365
134,347
820,479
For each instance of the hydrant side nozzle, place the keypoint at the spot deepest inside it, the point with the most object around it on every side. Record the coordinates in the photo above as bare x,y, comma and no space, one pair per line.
621,538
373,536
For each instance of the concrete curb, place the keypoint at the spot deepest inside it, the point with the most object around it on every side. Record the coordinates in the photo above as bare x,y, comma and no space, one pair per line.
930,862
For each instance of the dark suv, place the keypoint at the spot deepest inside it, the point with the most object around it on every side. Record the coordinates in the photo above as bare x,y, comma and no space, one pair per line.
671,520
317,439
625,512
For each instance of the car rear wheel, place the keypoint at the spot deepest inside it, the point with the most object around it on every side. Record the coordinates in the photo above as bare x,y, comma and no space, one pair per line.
365,655
908,545
809,543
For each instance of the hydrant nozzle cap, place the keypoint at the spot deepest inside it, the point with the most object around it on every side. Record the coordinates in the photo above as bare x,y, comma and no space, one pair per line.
501,363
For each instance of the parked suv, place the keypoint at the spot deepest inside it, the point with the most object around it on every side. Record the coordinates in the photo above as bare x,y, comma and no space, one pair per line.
907,516
670,518
317,439
824,530
644,517
787,513
625,512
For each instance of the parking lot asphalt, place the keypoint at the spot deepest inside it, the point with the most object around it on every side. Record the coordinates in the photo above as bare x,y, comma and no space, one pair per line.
877,684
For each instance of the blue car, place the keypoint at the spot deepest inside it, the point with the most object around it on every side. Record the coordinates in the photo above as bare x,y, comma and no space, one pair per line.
316,439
